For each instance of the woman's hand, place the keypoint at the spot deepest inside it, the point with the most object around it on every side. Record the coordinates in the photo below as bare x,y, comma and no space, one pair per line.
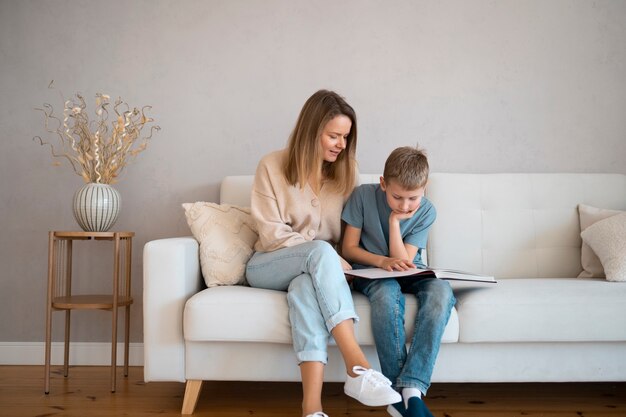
396,264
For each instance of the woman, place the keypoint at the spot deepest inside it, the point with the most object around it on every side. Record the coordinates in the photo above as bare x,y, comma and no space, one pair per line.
297,198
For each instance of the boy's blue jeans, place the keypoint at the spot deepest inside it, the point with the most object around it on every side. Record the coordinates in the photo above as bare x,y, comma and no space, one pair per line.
412,369
318,294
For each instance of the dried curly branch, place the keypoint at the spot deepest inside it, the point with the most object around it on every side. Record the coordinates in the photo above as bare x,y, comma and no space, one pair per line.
98,150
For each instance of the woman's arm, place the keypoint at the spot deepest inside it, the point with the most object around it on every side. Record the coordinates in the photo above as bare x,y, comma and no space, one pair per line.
274,233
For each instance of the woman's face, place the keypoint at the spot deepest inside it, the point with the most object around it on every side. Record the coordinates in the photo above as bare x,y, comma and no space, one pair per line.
334,137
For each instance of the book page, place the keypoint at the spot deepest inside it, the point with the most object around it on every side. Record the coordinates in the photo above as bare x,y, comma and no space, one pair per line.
379,273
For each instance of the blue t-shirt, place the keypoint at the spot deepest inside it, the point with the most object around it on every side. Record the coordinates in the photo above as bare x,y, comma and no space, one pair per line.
367,209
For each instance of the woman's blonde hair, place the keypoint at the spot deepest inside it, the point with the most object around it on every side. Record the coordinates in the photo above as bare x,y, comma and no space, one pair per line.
305,157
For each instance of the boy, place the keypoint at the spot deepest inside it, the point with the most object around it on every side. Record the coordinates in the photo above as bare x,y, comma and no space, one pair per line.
387,227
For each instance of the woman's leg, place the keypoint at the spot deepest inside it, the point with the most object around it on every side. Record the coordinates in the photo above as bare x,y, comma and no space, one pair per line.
308,328
328,283
310,338
312,381
319,300
315,305
275,270
343,333
323,287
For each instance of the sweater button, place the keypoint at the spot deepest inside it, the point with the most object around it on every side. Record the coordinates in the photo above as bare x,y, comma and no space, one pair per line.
311,233
315,202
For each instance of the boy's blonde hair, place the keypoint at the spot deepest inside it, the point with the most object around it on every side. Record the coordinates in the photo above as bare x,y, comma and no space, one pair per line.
408,166
305,156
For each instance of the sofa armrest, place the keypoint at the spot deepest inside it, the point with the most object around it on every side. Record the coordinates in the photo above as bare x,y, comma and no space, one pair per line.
171,274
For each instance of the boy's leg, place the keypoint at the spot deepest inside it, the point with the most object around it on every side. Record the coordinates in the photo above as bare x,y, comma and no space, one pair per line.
435,301
387,316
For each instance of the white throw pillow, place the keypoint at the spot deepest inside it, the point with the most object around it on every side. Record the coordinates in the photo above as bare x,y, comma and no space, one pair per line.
607,238
227,235
588,215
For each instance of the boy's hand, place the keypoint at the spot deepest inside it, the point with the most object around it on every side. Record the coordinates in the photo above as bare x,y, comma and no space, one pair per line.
345,265
396,215
396,264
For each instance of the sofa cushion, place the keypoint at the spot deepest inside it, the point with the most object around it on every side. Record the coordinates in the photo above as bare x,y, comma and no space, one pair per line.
588,215
258,315
607,238
227,235
543,310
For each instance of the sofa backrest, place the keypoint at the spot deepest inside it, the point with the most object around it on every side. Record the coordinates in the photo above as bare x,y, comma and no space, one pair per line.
515,225
236,189
506,225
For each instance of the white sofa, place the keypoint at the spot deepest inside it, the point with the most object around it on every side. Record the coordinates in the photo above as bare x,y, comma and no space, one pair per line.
539,323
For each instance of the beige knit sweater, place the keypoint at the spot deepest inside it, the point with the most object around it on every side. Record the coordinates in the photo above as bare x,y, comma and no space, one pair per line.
287,215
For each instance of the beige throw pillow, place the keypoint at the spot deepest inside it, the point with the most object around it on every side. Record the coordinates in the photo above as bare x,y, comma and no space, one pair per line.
607,238
227,235
588,215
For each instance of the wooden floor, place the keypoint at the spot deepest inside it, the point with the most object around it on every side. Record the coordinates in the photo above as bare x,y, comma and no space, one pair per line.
86,392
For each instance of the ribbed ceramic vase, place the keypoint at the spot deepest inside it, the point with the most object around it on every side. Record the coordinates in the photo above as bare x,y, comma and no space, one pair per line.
96,207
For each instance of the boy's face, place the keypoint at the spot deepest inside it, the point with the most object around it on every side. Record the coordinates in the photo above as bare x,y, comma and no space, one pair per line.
400,200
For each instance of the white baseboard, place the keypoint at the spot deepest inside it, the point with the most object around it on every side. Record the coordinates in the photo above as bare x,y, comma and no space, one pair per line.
81,353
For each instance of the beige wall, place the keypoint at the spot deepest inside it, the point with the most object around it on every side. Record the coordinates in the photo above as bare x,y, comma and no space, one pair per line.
485,86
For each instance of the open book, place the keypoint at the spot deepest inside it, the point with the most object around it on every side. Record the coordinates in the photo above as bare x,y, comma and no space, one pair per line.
377,273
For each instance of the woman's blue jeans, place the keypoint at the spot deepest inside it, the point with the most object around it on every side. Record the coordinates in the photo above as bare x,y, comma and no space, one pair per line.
318,294
412,369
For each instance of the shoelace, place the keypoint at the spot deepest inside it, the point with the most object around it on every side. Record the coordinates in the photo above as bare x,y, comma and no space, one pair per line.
371,376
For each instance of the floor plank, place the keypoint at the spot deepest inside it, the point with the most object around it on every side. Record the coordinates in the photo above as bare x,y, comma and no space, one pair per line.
86,393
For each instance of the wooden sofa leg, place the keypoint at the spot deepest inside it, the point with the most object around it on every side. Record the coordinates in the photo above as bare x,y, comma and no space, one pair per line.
192,392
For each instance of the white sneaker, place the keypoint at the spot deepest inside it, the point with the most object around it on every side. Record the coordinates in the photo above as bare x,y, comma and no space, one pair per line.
317,414
370,387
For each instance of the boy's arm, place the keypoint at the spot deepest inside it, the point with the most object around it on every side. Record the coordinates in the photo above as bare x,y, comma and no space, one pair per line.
397,247
344,264
354,253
